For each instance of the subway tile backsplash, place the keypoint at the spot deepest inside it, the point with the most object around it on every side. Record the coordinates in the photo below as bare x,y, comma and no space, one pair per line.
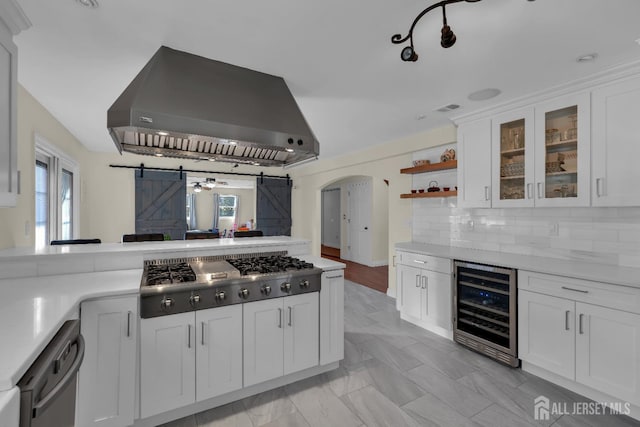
601,235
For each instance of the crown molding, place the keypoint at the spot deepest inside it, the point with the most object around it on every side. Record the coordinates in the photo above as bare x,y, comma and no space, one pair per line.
13,16
587,83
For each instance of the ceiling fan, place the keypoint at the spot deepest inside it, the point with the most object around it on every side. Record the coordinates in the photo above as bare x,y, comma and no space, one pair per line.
208,184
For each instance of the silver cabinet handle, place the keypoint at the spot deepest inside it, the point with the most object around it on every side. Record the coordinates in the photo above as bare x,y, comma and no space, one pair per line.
566,320
417,280
290,314
393,263
202,337
279,318
189,336
599,182
539,190
529,190
486,192
128,324
424,282
574,290
418,261
334,277
581,317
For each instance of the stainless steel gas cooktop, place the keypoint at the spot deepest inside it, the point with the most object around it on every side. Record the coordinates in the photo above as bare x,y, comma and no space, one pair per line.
172,286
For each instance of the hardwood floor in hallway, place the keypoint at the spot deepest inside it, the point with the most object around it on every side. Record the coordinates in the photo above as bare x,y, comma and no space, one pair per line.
376,278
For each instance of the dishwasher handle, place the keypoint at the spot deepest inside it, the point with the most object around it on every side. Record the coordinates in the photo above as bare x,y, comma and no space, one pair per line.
42,404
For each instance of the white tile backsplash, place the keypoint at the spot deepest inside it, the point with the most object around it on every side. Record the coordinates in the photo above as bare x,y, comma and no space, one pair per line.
599,235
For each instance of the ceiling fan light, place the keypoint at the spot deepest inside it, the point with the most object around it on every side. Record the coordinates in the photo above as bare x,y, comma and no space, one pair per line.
197,187
448,39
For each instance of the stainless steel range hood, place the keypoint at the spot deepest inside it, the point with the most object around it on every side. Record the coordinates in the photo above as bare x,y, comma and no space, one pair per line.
186,106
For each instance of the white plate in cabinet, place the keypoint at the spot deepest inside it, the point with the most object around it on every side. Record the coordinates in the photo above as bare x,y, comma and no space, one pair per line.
616,144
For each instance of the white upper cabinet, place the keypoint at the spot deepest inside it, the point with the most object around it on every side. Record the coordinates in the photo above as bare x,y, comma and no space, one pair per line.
474,164
8,136
562,151
616,144
512,147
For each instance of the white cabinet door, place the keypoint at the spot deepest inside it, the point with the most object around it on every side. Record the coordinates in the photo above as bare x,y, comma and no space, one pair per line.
301,332
474,164
438,299
332,317
512,152
219,351
106,381
546,332
263,340
8,139
616,144
167,362
563,132
608,351
411,298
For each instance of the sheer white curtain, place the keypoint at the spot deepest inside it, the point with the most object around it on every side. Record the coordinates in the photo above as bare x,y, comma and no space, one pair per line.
193,223
216,211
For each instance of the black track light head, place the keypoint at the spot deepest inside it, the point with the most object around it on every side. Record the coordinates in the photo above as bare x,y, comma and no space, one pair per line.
448,39
408,54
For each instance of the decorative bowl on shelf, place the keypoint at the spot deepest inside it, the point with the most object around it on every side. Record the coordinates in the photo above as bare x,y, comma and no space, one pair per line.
421,162
421,190
414,191
433,186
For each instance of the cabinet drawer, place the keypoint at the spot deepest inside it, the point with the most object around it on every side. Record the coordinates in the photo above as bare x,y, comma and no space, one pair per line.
425,262
603,294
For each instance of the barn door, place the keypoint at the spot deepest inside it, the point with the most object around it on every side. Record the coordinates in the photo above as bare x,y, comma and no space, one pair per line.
273,206
161,203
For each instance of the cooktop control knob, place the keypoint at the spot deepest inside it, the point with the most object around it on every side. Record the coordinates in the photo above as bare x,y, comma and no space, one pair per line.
266,290
304,284
166,302
194,299
286,287
220,296
244,293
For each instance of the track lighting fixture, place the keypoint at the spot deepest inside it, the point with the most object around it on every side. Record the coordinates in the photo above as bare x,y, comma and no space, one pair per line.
448,38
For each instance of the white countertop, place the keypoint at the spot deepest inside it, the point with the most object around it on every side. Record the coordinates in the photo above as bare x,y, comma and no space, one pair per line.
625,276
33,309
150,247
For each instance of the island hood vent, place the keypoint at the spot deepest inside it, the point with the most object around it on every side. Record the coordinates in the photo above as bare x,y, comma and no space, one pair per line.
186,106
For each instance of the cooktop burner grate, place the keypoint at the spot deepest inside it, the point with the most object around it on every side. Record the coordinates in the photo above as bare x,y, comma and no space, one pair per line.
163,274
268,264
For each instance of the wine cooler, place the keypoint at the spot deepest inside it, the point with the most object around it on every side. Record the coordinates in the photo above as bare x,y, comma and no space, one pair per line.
484,304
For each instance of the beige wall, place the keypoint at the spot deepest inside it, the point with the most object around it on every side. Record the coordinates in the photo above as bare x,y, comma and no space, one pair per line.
379,162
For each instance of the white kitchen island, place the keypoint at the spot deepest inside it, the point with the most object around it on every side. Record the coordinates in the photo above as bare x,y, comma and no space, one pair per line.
44,288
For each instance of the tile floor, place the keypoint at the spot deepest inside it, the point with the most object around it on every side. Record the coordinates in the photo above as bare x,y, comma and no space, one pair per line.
396,374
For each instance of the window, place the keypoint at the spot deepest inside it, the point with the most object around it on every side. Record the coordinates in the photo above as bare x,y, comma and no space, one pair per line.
57,177
227,206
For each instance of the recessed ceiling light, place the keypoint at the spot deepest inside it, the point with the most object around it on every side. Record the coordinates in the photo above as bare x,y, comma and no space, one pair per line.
590,57
89,3
484,94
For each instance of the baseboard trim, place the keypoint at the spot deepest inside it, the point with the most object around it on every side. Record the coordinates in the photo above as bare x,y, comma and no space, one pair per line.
391,293
438,330
379,263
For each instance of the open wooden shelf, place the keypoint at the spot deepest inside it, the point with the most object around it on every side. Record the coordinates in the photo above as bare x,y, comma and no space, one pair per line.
432,167
427,194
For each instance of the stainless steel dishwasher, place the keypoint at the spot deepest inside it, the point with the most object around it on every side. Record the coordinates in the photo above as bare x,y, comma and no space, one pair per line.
48,388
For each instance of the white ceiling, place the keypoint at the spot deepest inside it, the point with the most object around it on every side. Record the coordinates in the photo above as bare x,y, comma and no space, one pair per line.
335,55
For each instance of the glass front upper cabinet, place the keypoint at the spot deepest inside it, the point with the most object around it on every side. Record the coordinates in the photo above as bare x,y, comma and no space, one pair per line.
562,146
513,154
